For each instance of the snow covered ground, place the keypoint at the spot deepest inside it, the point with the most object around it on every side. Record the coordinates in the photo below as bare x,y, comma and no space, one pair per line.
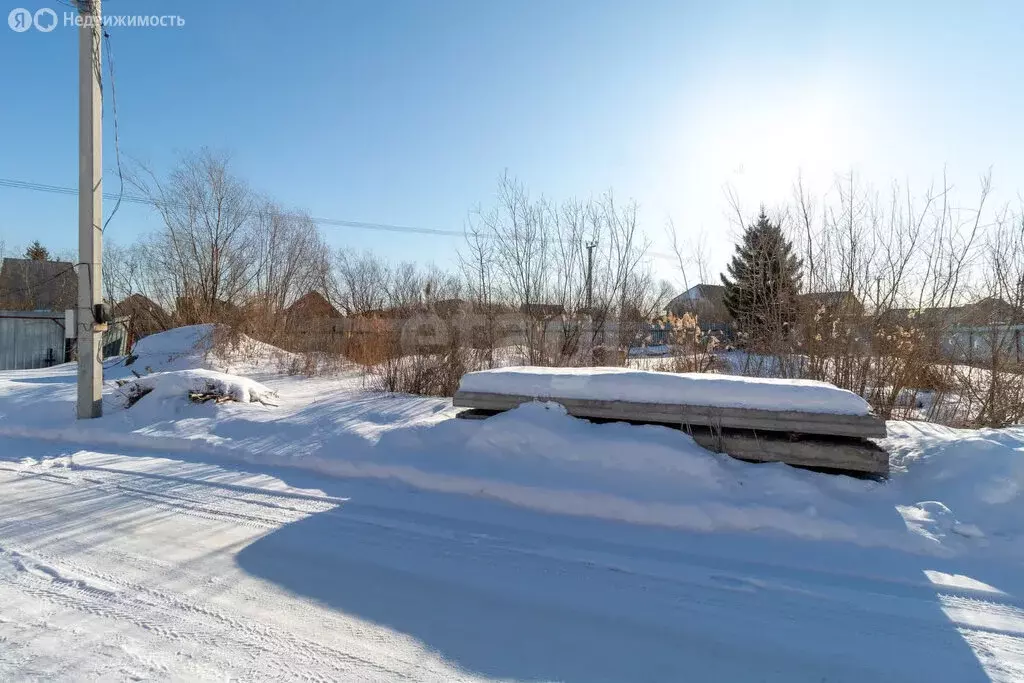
355,536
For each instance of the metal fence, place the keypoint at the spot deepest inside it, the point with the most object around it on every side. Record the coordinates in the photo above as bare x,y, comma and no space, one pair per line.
35,339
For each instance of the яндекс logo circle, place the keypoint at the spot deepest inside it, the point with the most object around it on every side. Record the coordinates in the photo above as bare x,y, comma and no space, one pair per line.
20,19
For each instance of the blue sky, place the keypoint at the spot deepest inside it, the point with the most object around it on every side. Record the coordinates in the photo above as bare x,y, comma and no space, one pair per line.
406,112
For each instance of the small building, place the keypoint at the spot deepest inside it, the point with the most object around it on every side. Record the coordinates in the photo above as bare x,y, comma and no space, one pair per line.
35,339
30,285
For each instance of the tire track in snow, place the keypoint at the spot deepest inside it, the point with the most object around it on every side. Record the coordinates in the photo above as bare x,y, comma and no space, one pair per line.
174,618
684,590
193,503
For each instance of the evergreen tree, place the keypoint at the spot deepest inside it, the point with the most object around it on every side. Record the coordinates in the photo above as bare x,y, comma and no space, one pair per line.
763,281
37,252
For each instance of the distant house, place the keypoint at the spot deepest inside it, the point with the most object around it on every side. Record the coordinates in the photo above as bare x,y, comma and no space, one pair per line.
144,316
831,305
28,285
312,313
983,330
707,303
312,306
988,311
970,333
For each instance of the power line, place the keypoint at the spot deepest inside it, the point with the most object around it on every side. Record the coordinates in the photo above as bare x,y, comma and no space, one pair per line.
331,222
117,138
139,199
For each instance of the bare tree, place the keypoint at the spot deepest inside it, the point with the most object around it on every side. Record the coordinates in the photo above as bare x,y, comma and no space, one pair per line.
206,248
291,258
522,233
476,262
362,282
691,256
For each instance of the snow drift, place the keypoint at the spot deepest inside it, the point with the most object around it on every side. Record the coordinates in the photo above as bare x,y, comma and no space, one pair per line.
960,482
205,347
950,492
644,386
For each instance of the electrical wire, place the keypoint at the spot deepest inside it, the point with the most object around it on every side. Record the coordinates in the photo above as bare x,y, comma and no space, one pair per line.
327,222
139,199
117,138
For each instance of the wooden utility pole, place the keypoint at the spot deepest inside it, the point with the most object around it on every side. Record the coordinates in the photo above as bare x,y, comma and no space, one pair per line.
590,276
90,211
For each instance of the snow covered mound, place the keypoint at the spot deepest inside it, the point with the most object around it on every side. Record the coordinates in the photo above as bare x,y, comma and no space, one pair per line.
179,341
206,346
643,386
199,385
959,483
178,349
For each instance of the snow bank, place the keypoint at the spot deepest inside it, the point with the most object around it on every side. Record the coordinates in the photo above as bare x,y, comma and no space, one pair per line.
951,491
960,482
196,346
180,384
179,341
182,348
641,386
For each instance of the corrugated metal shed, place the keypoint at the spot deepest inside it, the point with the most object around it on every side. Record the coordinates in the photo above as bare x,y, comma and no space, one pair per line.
35,339
31,339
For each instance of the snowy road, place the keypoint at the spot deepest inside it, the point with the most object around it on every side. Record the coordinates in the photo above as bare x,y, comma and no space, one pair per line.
135,567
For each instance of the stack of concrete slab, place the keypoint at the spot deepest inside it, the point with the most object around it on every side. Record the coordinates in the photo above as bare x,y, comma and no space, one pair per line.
799,422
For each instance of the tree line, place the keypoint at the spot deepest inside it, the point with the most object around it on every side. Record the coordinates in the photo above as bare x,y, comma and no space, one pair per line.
572,269
225,253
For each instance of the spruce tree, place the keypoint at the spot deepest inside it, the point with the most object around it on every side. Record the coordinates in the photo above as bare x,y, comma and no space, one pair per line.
763,281
37,252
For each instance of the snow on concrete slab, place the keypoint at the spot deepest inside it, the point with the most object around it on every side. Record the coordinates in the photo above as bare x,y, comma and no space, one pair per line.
642,386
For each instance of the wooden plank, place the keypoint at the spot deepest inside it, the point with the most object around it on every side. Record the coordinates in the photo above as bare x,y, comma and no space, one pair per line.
861,426
847,455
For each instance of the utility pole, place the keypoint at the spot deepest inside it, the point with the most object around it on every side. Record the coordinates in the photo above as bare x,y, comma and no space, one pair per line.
590,276
90,211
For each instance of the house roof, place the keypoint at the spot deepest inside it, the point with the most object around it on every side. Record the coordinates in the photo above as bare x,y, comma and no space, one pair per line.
702,292
26,284
313,305
144,312
987,311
